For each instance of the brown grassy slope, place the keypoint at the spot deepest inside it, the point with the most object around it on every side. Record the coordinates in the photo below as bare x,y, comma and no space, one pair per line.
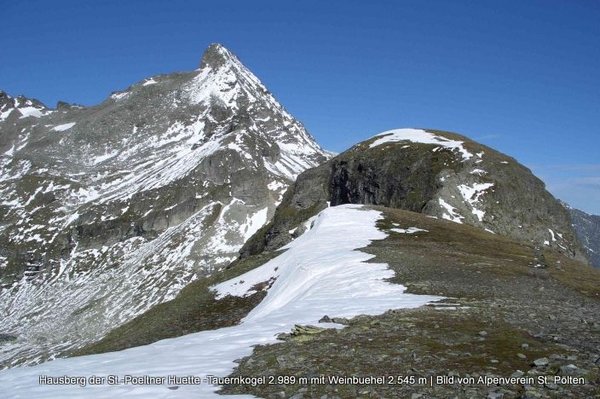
508,314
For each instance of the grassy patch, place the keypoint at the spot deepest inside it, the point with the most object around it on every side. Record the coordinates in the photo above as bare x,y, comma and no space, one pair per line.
463,252
507,314
419,342
582,278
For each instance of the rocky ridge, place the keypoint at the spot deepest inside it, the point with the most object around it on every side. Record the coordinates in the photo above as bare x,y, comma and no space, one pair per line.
441,174
504,317
109,210
519,298
520,303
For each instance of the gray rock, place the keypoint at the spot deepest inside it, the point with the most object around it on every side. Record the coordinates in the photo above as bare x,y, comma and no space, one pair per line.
551,386
532,393
7,338
300,330
569,369
151,189
587,228
495,395
340,320
283,336
416,177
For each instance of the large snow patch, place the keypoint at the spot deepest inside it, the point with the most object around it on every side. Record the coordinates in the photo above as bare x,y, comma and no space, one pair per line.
420,136
321,273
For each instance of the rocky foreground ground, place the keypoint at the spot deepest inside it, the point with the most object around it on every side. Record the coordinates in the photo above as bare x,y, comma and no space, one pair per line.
512,310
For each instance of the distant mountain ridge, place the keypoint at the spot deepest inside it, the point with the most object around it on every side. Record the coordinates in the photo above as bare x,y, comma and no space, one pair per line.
109,210
587,228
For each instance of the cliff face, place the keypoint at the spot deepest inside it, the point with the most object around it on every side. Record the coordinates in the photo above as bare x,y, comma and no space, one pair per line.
441,174
587,228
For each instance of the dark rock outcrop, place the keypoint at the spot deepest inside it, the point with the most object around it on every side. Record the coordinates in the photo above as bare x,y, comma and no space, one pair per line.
473,184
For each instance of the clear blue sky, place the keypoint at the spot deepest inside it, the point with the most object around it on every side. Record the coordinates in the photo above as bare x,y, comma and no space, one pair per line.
520,76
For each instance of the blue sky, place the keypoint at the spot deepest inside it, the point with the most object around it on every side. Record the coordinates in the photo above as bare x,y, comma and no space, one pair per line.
520,76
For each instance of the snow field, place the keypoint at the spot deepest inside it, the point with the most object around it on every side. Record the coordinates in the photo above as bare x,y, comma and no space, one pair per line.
319,274
420,136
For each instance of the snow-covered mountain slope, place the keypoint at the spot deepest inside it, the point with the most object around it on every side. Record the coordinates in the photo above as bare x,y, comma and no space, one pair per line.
587,228
109,210
318,275
441,174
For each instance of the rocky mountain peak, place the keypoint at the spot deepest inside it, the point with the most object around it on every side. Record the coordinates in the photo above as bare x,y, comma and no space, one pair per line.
235,98
215,56
222,77
160,184
5,99
63,105
441,174
25,107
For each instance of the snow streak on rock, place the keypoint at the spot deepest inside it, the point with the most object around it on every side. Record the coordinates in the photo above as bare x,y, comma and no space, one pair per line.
410,230
109,210
450,212
472,193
